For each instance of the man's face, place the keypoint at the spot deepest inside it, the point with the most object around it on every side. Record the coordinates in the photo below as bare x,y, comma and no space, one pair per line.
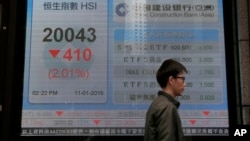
179,84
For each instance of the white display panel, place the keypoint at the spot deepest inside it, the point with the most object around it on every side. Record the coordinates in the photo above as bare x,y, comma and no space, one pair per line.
90,65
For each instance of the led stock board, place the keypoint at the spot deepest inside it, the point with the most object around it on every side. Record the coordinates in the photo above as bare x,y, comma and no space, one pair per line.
90,66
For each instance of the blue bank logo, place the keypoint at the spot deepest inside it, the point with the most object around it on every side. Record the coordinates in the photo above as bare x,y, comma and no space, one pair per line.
122,9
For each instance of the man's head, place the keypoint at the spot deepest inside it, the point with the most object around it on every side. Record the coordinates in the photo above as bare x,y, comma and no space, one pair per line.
171,75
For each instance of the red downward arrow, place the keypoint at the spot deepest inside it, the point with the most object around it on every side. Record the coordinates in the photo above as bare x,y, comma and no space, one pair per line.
59,113
192,121
96,121
206,113
54,52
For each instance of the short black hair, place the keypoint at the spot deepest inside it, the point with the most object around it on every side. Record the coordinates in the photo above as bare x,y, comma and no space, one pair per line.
168,68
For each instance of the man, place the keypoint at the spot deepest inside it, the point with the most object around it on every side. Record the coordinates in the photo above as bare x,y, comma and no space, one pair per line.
162,119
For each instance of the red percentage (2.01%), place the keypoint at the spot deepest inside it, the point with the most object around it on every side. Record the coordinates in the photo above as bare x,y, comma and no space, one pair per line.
56,73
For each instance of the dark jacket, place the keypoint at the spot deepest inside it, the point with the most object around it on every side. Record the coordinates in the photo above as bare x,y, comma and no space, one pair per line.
162,120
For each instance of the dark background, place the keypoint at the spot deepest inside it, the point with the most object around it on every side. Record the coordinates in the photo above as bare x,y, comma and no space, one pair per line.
12,45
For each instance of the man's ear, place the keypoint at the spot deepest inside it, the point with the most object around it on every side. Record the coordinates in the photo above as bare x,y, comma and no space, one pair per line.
171,80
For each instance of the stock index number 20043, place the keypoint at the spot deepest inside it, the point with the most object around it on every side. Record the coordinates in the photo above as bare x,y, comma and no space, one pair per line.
69,34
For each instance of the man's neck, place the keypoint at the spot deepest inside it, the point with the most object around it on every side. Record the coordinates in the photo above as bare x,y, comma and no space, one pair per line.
169,91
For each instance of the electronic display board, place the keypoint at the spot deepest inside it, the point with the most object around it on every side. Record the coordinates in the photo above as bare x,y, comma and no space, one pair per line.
90,65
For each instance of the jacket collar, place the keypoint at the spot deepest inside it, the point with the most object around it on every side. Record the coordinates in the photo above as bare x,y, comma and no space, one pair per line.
170,98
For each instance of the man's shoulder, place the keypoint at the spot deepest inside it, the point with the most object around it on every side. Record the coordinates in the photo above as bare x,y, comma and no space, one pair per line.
162,102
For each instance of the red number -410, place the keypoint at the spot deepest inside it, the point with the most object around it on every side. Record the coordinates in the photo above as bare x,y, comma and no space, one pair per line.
85,54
